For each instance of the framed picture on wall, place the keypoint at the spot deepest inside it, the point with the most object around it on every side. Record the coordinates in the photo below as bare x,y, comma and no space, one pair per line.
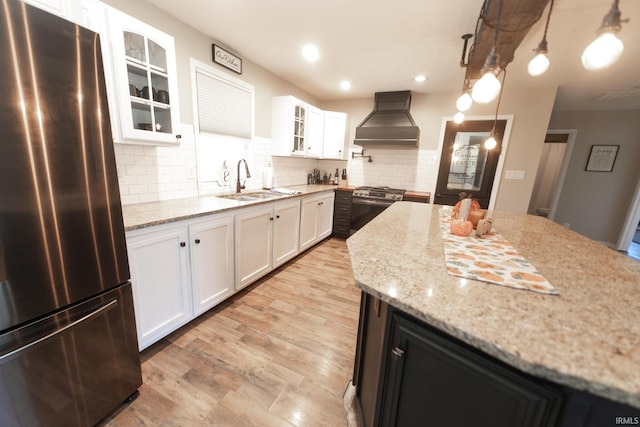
602,158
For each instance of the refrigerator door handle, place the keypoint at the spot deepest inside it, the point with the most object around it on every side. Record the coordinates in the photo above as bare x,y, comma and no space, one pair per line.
84,318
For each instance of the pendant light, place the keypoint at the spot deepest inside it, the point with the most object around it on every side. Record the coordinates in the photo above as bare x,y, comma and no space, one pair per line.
465,101
540,63
491,142
458,118
607,48
487,88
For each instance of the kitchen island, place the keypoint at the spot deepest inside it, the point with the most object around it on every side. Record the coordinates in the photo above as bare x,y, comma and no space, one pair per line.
579,349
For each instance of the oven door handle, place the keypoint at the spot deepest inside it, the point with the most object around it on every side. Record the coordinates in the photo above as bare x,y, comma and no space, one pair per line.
371,202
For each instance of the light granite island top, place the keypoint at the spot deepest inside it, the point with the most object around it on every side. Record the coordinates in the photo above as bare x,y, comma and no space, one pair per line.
588,337
155,213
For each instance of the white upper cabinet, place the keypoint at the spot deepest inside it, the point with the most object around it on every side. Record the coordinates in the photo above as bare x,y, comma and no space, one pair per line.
67,9
334,136
144,65
300,129
288,126
314,131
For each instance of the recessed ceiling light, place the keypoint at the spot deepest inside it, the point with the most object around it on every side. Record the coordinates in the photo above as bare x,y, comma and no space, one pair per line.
310,53
420,78
345,85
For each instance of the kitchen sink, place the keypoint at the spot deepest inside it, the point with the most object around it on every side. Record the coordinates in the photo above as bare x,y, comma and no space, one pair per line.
263,195
239,197
250,197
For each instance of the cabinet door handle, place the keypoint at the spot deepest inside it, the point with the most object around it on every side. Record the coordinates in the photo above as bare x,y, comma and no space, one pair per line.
397,353
278,216
271,218
197,241
183,244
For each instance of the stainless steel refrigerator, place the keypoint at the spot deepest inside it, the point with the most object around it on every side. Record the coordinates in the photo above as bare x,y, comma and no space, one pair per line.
68,348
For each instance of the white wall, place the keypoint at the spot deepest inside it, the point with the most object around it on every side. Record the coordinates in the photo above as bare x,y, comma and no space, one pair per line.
596,203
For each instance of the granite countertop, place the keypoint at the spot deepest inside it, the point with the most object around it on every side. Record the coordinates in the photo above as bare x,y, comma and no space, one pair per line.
155,213
588,337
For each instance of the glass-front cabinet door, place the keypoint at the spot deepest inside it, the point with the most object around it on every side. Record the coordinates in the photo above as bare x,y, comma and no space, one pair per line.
144,62
299,120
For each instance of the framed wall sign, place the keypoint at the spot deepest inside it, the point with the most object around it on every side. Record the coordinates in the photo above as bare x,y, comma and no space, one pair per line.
602,158
226,59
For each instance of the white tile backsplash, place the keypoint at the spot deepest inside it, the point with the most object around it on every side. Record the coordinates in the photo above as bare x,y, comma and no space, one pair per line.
411,169
149,174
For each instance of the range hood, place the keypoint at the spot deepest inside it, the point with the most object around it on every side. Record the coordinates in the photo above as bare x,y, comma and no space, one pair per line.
390,123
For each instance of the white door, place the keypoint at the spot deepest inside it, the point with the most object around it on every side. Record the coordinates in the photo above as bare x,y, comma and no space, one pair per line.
212,261
285,231
253,244
308,222
160,281
325,216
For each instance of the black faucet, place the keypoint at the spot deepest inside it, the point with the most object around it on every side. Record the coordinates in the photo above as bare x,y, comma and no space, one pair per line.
246,168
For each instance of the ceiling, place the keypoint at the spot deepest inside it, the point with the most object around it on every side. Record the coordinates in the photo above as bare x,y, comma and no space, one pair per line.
380,45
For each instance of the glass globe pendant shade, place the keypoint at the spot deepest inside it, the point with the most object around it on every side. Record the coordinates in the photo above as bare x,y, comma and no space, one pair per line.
602,52
538,65
464,102
486,89
490,143
459,117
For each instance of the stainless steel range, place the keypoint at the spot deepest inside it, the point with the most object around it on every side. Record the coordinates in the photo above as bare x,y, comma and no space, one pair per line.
369,202
379,193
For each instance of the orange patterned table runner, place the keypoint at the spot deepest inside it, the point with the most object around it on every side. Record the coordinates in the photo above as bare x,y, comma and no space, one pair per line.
489,259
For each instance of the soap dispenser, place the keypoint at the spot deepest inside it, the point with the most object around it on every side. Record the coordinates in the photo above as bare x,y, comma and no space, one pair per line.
267,177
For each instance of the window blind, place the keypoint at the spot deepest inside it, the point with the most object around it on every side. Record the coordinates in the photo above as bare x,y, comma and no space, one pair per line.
224,106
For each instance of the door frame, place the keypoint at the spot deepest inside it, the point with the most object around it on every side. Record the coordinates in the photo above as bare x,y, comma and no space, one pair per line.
563,168
505,144
630,223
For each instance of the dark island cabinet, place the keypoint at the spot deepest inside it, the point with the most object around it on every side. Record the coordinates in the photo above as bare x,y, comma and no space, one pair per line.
431,379
408,373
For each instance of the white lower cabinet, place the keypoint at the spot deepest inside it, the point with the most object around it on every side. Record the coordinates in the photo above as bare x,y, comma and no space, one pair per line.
266,237
182,269
316,219
285,231
159,266
178,271
253,244
211,249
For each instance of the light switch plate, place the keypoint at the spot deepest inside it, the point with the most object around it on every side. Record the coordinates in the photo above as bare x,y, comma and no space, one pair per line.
513,174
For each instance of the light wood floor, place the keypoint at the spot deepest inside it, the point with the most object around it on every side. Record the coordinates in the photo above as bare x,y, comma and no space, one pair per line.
279,354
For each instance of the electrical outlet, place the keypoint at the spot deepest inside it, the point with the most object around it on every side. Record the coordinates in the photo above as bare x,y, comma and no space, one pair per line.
514,174
567,224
